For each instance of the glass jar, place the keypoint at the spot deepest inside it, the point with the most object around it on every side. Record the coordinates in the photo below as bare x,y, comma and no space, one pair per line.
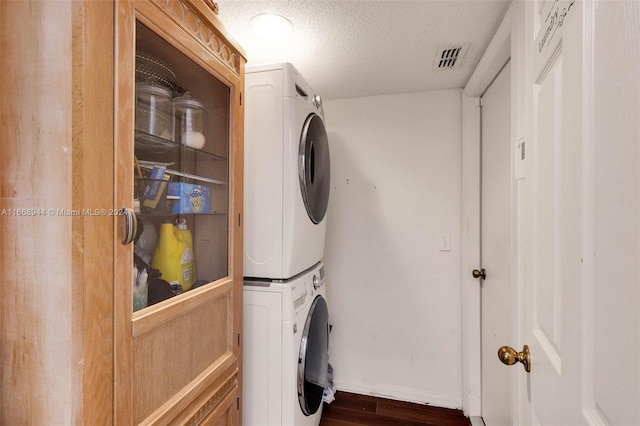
154,110
189,121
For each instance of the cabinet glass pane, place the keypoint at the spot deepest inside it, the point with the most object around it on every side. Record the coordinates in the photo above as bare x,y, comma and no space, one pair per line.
181,172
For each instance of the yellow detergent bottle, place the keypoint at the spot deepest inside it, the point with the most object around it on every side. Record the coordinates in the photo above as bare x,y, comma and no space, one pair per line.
167,255
187,260
174,255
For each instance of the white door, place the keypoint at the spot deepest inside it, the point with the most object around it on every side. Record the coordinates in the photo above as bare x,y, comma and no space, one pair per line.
496,248
579,212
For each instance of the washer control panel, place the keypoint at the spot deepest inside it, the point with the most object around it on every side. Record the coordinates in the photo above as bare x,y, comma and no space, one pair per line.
318,278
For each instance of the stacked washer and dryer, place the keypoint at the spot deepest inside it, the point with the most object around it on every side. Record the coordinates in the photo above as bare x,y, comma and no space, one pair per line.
287,182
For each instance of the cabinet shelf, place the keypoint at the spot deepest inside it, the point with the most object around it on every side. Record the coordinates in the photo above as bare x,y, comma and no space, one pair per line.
185,175
148,145
167,216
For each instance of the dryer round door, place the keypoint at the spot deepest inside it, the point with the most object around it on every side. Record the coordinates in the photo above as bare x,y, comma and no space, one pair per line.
314,168
313,359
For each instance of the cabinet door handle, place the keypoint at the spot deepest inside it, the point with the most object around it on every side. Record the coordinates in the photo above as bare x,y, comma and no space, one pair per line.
127,226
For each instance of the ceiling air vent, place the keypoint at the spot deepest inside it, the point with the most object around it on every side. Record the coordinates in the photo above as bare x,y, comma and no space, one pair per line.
450,56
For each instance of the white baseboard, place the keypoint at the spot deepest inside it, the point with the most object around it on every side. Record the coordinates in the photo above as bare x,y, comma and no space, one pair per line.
476,421
398,393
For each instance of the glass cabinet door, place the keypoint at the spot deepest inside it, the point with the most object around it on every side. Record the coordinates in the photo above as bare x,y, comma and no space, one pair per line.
178,167
181,176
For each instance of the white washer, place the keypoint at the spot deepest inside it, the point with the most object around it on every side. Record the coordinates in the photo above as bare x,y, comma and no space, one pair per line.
287,173
285,353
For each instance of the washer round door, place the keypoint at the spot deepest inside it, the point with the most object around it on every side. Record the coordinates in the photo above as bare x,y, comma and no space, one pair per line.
314,168
313,359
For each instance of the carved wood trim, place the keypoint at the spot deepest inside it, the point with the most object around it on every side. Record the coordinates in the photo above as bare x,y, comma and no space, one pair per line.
213,401
213,5
191,20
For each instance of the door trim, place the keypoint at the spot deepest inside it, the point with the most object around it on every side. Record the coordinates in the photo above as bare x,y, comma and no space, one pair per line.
492,61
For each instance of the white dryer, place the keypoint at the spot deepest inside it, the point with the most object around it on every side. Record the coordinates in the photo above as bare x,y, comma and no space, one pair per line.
285,353
287,173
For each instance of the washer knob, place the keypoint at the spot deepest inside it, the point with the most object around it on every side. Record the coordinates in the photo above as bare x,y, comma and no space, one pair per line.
316,282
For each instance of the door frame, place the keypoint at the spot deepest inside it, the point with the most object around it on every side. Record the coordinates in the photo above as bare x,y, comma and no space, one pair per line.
494,58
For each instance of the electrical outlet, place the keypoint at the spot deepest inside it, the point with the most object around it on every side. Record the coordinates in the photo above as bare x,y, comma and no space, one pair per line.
445,242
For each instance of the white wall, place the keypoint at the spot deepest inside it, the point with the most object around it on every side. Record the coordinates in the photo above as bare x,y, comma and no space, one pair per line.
394,297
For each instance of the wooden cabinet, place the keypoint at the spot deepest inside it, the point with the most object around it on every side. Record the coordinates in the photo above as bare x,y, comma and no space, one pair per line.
74,349
179,359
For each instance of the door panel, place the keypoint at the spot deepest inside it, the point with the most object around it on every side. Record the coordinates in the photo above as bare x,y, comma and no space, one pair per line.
552,197
496,248
556,242
579,212
547,193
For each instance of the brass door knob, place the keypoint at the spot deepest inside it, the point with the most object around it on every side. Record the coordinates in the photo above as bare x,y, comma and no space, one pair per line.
480,273
510,356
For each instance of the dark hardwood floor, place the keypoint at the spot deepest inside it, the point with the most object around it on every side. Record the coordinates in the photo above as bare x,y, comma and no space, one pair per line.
350,410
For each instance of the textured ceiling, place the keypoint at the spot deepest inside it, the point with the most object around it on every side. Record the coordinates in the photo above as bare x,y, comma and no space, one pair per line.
356,48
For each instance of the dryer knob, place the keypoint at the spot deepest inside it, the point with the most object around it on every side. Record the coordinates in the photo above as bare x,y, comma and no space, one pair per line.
317,101
316,282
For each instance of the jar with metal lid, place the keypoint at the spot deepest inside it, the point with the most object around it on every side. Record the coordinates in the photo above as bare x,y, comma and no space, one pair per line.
154,110
190,115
